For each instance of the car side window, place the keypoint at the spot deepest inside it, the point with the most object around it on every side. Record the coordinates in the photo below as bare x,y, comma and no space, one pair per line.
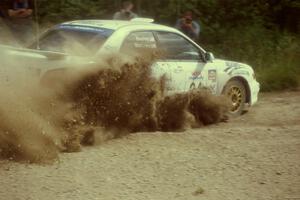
175,47
137,43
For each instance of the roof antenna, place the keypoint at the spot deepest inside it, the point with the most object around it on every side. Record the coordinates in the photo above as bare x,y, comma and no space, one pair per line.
37,26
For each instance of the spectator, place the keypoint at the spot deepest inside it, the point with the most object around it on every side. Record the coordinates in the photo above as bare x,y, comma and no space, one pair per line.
20,14
1,14
126,12
2,9
3,28
188,26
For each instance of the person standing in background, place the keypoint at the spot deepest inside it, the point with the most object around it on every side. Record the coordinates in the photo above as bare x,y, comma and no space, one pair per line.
3,5
1,24
20,14
4,32
126,12
1,15
188,26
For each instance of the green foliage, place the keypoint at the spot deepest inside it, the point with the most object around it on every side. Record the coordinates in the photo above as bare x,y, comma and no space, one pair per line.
62,10
279,78
283,71
261,33
273,54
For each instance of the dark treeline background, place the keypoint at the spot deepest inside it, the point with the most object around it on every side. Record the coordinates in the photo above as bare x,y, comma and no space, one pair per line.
282,14
262,33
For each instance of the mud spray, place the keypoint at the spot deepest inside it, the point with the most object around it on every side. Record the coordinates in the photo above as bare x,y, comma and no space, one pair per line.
114,98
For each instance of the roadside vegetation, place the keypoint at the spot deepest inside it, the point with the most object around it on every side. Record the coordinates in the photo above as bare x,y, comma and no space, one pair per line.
262,33
275,55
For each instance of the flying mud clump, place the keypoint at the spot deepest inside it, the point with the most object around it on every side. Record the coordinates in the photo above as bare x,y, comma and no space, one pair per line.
117,97
130,99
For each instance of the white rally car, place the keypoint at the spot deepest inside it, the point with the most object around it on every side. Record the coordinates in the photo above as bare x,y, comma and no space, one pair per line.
185,63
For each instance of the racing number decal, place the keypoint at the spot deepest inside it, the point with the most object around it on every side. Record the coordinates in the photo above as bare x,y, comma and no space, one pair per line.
197,79
207,81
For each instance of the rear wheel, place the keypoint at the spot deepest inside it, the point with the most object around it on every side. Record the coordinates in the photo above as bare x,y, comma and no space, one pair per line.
236,93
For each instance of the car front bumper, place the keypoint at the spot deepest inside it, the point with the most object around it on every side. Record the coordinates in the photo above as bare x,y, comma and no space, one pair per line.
254,88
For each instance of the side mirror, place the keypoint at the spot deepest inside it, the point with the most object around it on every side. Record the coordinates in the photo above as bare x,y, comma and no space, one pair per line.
209,57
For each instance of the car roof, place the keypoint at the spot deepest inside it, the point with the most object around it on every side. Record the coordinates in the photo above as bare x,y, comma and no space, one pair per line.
115,24
129,25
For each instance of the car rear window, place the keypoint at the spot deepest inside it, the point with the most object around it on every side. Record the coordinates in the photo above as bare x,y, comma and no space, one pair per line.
75,40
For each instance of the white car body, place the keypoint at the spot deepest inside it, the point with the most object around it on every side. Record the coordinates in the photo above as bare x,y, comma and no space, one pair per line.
184,74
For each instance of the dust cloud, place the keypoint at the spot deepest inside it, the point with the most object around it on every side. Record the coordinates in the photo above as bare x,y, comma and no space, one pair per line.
114,97
27,130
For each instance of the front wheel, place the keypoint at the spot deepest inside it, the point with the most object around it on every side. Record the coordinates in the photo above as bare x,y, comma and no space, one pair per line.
236,93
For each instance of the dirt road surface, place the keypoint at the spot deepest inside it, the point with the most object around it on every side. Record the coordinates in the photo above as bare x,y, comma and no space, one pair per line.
253,157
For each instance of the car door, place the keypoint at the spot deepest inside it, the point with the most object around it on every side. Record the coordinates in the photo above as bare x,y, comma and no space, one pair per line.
185,60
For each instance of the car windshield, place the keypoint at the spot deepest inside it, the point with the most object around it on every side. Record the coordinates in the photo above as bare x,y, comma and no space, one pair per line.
75,40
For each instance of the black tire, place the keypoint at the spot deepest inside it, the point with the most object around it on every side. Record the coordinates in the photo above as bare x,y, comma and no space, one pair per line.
236,92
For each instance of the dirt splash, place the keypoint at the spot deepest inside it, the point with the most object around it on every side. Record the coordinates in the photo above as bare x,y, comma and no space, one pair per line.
27,128
131,99
116,97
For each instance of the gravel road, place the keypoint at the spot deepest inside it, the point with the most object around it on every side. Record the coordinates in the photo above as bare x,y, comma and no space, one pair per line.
253,157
